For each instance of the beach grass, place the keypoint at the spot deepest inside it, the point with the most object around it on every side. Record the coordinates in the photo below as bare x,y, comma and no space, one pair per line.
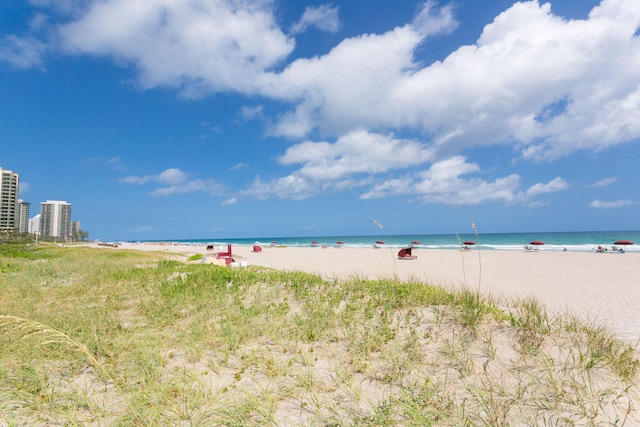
116,337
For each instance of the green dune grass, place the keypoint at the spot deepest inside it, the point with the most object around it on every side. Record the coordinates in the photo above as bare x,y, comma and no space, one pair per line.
114,337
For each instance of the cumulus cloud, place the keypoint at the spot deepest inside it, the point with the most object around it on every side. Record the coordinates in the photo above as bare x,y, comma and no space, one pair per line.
195,46
175,182
445,182
348,162
323,17
451,182
611,205
353,85
358,151
546,84
557,184
170,176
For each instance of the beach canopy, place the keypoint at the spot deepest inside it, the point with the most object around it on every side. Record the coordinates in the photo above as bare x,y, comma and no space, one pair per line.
469,243
623,242
340,243
416,242
536,242
379,242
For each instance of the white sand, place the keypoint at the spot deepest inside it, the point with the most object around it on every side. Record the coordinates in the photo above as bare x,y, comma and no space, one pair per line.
597,287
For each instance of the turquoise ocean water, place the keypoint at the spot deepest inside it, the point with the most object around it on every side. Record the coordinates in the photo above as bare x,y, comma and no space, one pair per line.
557,241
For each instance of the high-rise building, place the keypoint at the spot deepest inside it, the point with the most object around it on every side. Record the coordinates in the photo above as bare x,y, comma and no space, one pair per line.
9,183
34,225
55,219
22,216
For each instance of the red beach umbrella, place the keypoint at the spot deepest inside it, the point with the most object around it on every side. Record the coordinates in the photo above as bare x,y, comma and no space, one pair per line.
623,242
340,243
416,242
379,242
469,243
536,242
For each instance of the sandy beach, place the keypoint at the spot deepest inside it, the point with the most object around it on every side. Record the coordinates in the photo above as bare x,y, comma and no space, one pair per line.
597,287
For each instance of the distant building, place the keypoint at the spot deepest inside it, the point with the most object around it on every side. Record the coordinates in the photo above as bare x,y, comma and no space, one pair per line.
22,215
34,225
55,219
75,227
9,183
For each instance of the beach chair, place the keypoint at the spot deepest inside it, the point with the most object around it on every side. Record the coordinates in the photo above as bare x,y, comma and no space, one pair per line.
226,256
406,254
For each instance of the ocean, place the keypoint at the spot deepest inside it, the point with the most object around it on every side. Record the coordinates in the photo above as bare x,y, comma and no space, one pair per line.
584,241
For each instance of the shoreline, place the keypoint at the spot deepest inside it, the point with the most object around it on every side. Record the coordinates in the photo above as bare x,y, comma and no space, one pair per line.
604,288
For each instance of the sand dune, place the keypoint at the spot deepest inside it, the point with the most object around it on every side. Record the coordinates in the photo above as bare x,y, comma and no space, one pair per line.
600,287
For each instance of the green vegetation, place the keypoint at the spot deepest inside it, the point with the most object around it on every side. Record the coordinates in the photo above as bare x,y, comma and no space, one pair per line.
195,257
104,337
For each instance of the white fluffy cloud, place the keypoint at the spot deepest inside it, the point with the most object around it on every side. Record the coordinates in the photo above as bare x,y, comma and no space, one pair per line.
445,182
347,163
175,181
195,46
323,17
546,85
549,85
356,152
557,184
453,181
170,176
353,85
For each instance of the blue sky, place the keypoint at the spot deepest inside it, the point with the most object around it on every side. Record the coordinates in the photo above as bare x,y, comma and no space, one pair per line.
180,119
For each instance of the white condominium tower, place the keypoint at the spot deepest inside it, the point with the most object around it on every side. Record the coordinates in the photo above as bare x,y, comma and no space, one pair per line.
22,216
55,219
9,183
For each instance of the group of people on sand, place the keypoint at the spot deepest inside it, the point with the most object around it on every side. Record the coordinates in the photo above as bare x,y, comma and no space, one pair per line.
600,249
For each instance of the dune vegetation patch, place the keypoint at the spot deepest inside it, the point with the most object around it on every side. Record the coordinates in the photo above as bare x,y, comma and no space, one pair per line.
104,337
